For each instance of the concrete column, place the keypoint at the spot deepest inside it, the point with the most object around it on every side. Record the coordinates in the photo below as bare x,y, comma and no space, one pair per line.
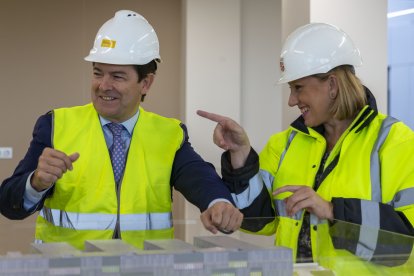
212,78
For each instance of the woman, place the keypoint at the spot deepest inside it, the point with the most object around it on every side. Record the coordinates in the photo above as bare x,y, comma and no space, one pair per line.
341,160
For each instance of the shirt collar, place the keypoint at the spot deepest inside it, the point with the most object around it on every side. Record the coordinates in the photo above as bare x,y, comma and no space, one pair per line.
128,124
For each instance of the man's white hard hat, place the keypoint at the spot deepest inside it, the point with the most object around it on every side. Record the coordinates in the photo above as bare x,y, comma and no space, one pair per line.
125,39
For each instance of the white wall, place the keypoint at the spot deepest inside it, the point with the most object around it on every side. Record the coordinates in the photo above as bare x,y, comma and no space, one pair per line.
295,13
212,78
261,108
366,22
262,101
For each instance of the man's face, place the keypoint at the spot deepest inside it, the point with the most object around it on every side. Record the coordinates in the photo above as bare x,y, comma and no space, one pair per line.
115,91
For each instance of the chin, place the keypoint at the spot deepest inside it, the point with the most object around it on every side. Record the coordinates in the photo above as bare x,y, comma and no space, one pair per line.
309,124
107,114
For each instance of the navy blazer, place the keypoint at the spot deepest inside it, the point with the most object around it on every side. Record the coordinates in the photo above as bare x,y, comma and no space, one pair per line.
196,179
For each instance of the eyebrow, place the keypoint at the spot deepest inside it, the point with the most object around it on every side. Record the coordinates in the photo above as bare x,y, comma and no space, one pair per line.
111,72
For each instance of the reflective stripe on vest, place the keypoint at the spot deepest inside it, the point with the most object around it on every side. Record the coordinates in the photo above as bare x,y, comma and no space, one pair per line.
255,186
375,164
370,217
368,231
280,206
282,156
128,222
375,160
403,198
253,190
370,222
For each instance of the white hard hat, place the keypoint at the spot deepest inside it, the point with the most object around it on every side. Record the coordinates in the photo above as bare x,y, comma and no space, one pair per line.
316,48
125,39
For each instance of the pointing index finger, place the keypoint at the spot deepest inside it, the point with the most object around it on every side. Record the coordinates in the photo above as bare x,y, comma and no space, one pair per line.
211,116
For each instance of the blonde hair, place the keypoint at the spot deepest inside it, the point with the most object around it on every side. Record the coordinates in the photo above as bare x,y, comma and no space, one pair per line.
351,96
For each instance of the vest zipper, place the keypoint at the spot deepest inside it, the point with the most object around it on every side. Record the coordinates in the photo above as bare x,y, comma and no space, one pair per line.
117,230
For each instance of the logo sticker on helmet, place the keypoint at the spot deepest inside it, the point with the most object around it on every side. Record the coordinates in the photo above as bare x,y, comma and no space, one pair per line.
107,43
282,65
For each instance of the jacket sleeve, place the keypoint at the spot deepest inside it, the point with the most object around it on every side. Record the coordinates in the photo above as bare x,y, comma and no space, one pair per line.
386,218
196,179
385,236
12,189
249,191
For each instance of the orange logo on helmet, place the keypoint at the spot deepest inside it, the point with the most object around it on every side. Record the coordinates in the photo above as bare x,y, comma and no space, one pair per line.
107,43
282,65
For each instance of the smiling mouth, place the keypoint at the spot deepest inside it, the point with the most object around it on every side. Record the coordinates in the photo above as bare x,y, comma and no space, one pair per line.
303,110
107,98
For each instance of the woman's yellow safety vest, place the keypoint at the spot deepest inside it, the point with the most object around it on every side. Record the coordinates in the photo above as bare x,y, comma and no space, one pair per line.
85,204
361,158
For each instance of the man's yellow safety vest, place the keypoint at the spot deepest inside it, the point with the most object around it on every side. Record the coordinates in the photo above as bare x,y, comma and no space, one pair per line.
85,204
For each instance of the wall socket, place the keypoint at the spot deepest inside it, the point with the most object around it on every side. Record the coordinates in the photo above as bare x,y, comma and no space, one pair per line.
6,152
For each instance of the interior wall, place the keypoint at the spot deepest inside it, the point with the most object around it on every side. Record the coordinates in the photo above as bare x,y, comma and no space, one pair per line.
261,106
369,35
212,78
43,44
295,13
261,97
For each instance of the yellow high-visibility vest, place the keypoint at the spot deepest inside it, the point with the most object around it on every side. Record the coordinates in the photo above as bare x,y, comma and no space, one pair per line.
85,204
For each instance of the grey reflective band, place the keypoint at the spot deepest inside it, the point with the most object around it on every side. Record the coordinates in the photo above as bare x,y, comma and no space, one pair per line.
78,221
403,198
245,198
152,221
282,156
370,216
368,232
375,159
97,221
267,179
314,220
281,210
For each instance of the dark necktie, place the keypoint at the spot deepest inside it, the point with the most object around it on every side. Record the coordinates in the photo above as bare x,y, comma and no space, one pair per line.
117,151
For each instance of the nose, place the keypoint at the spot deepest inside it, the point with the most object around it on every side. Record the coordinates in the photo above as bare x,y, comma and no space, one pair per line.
293,99
105,83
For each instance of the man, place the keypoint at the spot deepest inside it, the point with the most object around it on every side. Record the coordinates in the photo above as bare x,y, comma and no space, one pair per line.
106,170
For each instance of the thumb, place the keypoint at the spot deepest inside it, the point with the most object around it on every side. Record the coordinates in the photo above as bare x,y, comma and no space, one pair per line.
74,156
206,220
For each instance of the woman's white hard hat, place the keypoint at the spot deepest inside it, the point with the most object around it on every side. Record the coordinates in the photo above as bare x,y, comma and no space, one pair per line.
316,48
125,39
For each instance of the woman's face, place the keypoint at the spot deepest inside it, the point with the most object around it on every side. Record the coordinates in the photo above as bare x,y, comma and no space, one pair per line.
314,98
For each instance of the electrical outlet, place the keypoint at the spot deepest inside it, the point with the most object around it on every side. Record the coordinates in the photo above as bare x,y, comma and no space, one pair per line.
6,152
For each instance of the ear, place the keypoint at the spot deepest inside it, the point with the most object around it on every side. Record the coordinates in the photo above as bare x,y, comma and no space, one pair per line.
146,83
333,86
